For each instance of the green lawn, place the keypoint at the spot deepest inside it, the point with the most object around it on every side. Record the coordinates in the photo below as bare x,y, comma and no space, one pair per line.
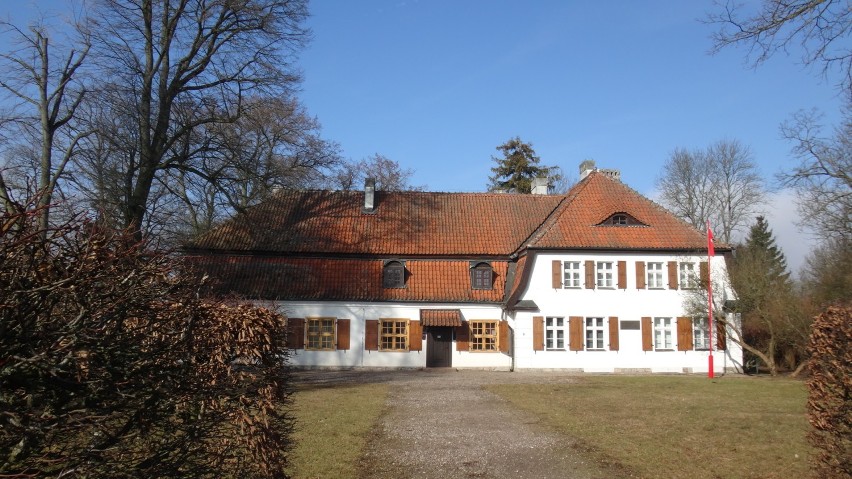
332,428
679,426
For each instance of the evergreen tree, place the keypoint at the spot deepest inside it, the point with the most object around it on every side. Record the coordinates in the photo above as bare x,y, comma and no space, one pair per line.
772,323
761,242
517,168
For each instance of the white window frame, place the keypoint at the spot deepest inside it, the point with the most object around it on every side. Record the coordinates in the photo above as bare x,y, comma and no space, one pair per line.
687,275
700,334
594,330
555,330
571,274
664,333
655,276
604,274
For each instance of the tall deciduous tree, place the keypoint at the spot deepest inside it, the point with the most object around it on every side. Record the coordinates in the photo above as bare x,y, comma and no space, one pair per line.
719,183
389,175
821,28
45,87
823,178
518,166
174,66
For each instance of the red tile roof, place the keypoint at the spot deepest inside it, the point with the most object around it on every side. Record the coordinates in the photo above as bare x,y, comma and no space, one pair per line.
576,224
404,223
318,245
440,317
286,278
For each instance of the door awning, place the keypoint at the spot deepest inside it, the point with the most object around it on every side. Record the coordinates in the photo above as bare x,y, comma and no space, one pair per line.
440,317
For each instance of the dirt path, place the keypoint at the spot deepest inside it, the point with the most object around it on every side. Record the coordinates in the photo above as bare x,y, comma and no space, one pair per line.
443,424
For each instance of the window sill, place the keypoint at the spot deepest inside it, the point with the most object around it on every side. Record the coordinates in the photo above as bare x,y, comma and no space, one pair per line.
554,349
595,350
393,350
663,350
483,351
571,287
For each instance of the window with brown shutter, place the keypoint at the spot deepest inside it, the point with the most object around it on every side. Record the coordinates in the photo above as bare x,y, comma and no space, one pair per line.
622,275
704,273
647,334
296,333
393,334
343,334
415,336
504,337
575,333
673,279
371,335
463,337
538,333
484,335
319,334
640,275
556,274
613,333
684,334
590,274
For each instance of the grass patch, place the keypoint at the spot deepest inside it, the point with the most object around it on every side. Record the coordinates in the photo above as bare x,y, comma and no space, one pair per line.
676,426
332,428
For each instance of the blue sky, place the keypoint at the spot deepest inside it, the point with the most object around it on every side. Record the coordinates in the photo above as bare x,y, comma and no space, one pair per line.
436,85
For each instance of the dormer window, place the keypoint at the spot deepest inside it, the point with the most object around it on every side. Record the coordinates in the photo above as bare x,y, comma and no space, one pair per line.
393,274
621,219
481,275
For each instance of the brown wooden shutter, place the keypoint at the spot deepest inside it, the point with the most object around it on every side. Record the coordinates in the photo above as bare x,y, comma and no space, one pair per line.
575,333
415,336
463,337
647,334
503,338
640,275
721,336
371,335
343,334
556,274
704,273
296,333
590,275
538,333
684,334
613,333
622,275
672,274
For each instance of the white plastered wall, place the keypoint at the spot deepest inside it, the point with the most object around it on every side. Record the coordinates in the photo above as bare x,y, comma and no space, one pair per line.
626,304
359,313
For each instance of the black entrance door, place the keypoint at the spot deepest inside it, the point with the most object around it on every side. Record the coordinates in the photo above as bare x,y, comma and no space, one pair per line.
439,341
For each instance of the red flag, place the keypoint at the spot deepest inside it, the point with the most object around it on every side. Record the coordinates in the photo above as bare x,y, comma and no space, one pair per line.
711,251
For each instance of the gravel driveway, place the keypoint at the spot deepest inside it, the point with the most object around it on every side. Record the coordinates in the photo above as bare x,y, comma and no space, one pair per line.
443,424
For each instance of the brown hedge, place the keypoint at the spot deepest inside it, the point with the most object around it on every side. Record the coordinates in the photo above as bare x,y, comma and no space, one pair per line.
830,392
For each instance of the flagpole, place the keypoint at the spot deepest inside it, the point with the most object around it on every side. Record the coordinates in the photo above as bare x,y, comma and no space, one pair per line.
710,253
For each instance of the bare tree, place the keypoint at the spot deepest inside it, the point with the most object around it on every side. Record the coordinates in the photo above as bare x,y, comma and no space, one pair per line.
686,186
821,28
177,65
389,175
46,90
823,178
719,183
738,192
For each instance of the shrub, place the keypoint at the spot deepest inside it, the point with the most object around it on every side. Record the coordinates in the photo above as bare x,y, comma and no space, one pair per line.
830,392
111,366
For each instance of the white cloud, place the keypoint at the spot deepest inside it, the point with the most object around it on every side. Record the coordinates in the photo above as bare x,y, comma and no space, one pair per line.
782,216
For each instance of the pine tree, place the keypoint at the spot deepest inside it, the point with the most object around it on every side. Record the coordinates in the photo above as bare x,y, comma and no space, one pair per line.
761,242
517,168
